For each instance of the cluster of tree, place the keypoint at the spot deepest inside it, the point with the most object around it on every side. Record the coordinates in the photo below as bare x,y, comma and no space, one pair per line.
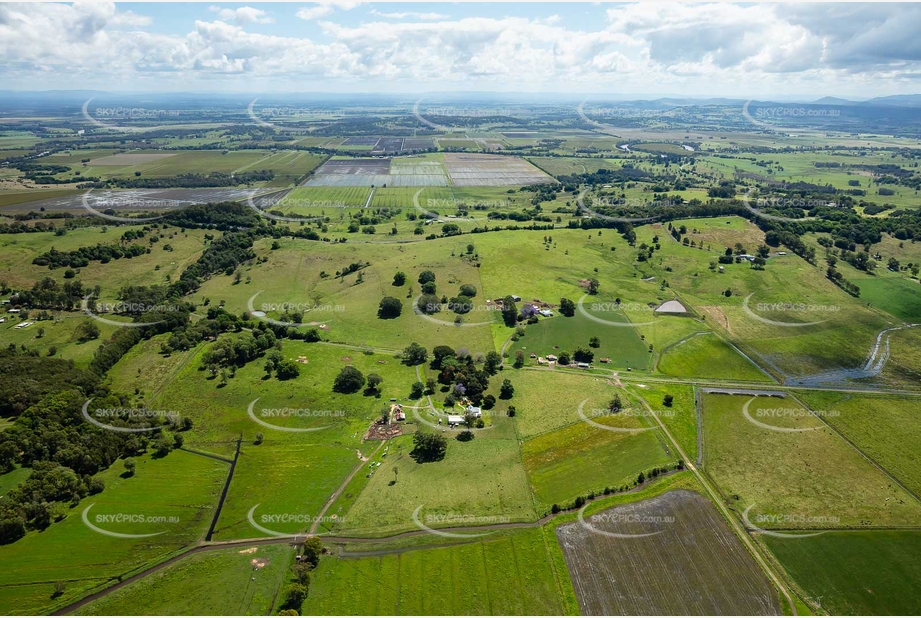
838,279
193,181
236,351
428,447
25,379
627,173
65,451
48,293
389,308
458,370
81,257
299,586
219,216
224,254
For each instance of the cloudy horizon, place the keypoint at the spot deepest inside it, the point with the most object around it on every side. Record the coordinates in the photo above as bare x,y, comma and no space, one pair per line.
639,50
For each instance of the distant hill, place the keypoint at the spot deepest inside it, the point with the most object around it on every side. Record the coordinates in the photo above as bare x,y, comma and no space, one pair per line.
898,100
833,101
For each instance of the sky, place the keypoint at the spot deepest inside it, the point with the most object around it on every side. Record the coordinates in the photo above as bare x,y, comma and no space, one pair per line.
644,49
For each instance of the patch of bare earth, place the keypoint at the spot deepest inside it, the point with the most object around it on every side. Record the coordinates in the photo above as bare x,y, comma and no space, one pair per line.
716,314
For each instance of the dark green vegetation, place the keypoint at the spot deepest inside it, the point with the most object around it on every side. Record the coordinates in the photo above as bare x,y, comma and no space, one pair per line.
855,573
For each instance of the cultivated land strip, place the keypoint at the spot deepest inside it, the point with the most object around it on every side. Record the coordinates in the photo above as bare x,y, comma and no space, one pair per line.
715,497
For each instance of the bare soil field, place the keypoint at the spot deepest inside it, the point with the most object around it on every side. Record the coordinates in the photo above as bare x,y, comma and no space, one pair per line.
477,170
378,173
683,560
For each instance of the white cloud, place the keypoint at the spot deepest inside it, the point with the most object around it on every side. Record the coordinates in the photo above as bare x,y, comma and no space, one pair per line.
326,7
242,15
411,15
696,48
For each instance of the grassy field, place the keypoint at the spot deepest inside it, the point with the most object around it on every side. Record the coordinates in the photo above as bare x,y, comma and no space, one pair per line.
181,485
865,572
292,275
59,333
18,250
483,478
502,574
886,428
554,335
904,365
797,476
708,356
583,458
235,585
680,418
844,330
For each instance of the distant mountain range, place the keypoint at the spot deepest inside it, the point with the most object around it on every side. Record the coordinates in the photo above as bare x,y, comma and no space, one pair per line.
896,100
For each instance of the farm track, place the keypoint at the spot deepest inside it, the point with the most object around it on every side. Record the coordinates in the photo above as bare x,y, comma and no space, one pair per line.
698,408
335,495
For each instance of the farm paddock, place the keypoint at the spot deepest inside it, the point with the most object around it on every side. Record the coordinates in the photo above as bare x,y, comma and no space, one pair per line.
683,560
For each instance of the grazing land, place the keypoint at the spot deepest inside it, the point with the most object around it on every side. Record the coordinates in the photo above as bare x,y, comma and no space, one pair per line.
413,358
859,572
247,581
511,570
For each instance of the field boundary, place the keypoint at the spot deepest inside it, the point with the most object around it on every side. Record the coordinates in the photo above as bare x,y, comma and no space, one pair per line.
220,503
